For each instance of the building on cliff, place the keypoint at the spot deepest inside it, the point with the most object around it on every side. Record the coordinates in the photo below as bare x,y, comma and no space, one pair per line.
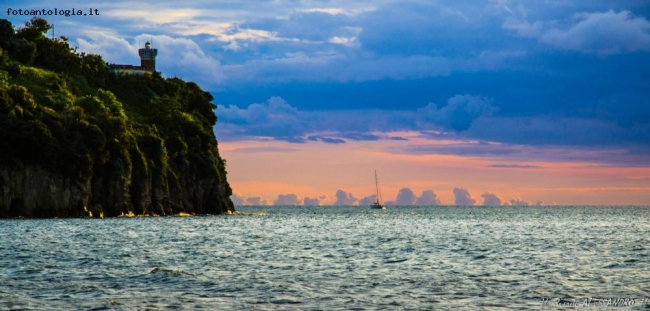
147,62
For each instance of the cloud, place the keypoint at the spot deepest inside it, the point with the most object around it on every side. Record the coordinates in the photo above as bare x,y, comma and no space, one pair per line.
111,47
347,41
491,199
274,109
309,26
518,202
256,201
279,120
326,67
287,199
514,166
523,28
338,10
400,28
427,198
461,148
327,140
343,198
237,199
387,41
533,151
360,136
458,114
311,201
273,118
547,130
463,198
406,196
165,15
240,200
368,200
321,199
233,35
601,33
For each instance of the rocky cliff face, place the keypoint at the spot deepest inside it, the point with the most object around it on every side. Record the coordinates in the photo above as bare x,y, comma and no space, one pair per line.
32,191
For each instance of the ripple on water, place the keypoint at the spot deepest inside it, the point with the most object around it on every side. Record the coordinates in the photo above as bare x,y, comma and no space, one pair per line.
350,258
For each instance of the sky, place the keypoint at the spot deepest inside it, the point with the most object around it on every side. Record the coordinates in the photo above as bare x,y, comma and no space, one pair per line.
472,102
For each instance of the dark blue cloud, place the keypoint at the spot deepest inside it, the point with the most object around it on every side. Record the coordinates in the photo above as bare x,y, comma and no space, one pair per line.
459,112
462,149
327,140
558,130
607,155
330,140
359,136
274,118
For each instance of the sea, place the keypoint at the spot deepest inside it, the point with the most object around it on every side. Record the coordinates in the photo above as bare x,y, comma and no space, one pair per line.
333,258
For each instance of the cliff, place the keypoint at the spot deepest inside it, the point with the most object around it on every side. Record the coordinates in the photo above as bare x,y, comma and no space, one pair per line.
78,140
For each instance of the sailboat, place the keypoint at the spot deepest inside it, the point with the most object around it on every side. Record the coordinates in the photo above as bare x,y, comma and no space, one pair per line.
377,204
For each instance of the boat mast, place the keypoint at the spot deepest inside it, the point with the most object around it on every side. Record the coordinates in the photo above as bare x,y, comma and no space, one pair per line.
377,186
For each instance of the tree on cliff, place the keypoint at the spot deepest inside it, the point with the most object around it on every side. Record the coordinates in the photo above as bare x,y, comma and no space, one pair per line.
110,144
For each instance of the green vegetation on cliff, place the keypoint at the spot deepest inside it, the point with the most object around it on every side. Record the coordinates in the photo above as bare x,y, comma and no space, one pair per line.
77,139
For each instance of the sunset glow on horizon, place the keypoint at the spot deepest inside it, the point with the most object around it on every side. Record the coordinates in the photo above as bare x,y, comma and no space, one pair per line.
317,170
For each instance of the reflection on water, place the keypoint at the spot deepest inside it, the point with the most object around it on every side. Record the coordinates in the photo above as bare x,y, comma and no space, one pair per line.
330,258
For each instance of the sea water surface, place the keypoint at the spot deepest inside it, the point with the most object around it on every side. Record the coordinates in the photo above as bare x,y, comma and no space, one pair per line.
332,258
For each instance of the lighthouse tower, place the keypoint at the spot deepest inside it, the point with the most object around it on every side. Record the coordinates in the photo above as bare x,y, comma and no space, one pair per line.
148,57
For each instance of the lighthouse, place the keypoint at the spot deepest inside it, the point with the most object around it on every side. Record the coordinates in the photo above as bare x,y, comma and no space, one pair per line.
148,57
